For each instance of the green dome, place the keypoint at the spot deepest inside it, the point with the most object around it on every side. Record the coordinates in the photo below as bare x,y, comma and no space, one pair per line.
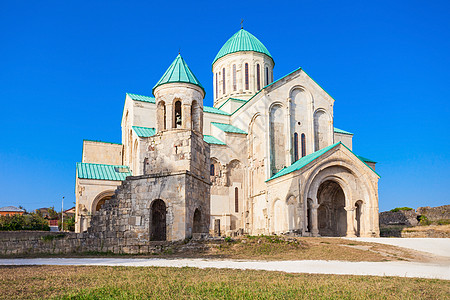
242,41
178,72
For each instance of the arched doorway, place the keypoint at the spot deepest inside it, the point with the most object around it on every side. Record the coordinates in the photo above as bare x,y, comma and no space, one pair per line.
100,200
331,214
158,221
197,225
358,212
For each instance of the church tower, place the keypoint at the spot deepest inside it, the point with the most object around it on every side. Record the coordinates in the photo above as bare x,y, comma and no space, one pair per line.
241,68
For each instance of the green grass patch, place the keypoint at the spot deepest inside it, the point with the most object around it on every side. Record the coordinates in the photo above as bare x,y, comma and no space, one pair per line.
95,282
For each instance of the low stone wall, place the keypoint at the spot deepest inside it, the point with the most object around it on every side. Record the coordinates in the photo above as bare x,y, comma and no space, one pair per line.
38,242
435,213
402,217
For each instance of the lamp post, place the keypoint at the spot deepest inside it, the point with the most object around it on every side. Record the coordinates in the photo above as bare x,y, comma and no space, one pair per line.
62,214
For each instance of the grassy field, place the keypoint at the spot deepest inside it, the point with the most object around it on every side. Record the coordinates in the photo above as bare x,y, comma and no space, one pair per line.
77,282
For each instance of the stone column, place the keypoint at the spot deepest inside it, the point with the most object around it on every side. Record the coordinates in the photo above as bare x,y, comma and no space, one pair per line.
170,114
186,117
350,226
315,220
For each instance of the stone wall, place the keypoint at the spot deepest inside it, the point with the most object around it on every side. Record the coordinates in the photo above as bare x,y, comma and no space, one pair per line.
402,217
435,213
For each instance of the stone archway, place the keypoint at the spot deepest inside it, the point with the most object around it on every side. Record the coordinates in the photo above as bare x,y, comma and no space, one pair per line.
101,199
158,221
331,214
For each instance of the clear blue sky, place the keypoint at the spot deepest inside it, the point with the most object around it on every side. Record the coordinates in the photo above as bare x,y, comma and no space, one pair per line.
65,67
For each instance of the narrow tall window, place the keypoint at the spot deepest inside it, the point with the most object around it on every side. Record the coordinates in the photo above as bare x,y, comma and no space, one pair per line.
295,146
303,144
234,78
258,78
246,76
236,200
223,79
178,119
217,86
212,170
271,77
267,75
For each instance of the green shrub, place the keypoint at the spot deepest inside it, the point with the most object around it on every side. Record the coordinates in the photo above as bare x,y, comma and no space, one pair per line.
401,208
31,221
423,220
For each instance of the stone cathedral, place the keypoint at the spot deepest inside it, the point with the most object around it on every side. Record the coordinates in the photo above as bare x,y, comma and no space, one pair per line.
264,159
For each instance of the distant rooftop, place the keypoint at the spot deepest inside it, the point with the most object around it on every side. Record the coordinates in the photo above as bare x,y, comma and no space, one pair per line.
11,209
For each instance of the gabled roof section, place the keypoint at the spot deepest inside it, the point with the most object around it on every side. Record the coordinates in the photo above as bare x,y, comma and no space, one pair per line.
212,140
142,98
178,71
11,209
232,99
228,128
213,110
144,131
102,172
242,41
270,84
337,130
305,160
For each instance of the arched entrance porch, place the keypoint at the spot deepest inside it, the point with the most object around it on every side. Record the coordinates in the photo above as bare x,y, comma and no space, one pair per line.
331,214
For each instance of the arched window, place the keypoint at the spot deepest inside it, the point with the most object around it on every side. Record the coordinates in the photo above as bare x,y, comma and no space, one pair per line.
178,119
295,146
223,79
271,76
217,86
258,78
303,144
236,199
234,78
267,75
246,76
212,170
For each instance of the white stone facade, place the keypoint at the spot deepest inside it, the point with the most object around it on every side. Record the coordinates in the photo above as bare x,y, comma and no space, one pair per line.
272,126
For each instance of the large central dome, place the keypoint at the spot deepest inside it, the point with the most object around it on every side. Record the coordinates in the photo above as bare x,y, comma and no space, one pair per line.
242,41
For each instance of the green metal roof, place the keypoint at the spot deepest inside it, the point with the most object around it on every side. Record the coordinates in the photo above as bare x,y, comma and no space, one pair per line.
305,160
213,110
365,159
212,140
144,131
242,41
337,130
228,128
102,172
233,99
178,72
142,98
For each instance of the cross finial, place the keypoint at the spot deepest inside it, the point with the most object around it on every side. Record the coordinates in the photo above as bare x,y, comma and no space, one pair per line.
242,23
179,51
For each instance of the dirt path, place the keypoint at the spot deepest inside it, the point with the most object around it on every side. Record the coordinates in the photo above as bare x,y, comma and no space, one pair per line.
400,268
435,246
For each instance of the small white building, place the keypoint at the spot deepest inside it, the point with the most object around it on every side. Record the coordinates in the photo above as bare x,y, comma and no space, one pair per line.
277,163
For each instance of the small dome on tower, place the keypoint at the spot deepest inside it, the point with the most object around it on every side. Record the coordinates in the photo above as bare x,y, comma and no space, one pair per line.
178,72
242,41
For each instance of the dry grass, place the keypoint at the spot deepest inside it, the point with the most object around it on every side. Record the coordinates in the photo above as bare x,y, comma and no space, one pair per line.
436,228
304,248
76,282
